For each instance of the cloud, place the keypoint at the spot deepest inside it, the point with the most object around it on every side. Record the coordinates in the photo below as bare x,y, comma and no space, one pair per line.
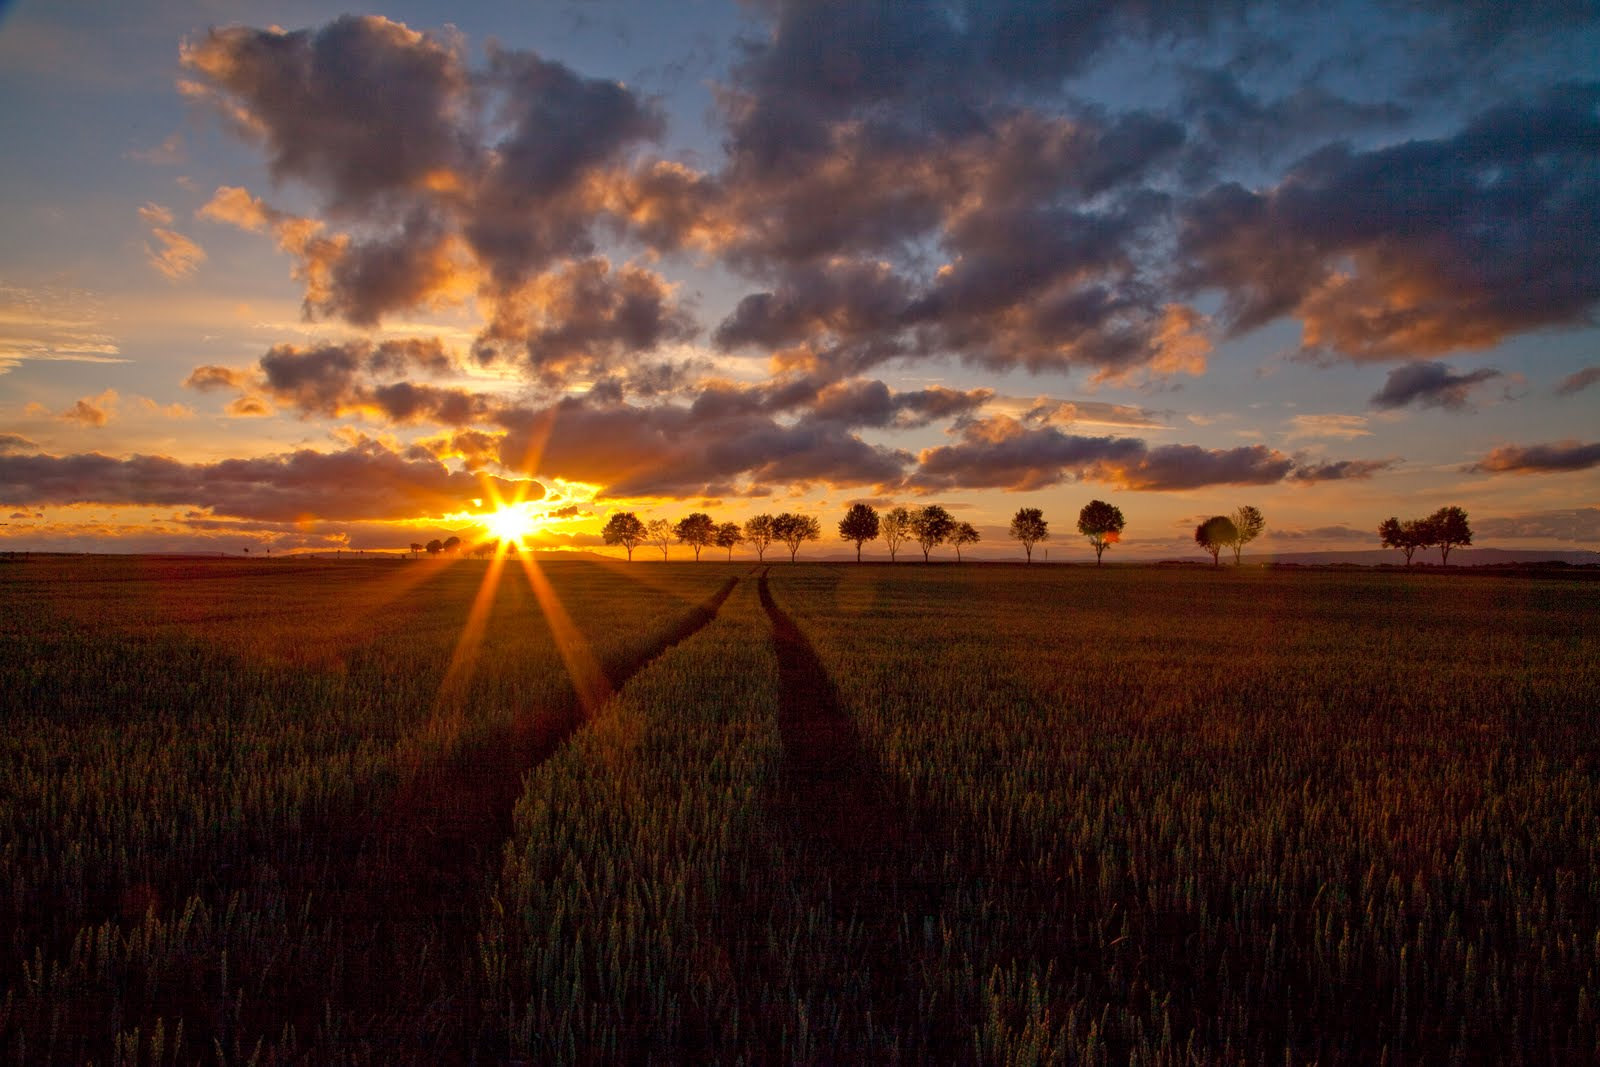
1306,473
582,320
1340,426
52,323
212,377
169,153
1430,385
1578,381
716,448
177,256
92,410
1539,459
10,442
335,380
1001,453
366,481
363,109
1417,248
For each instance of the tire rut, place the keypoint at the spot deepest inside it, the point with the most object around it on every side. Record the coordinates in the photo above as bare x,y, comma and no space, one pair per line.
414,875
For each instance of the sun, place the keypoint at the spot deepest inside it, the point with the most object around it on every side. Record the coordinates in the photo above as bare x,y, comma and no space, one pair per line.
511,523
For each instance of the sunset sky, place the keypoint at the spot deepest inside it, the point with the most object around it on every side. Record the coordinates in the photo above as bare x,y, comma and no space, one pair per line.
296,276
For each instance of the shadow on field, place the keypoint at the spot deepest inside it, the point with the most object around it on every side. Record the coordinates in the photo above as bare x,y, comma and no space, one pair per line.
410,897
862,845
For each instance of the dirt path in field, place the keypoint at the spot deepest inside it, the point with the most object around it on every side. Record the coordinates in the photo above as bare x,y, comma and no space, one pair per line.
410,897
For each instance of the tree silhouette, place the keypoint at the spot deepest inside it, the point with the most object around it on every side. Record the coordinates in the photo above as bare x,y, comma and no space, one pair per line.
696,530
435,547
758,531
1450,530
729,535
931,527
659,533
964,534
1248,523
1215,534
452,544
1029,526
1407,536
416,550
793,529
1102,524
896,528
860,524
625,529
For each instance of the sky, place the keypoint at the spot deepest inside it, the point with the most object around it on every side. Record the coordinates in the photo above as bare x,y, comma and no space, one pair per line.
293,276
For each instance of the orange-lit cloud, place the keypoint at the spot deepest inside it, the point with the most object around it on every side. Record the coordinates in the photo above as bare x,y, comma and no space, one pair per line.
1560,457
367,481
92,410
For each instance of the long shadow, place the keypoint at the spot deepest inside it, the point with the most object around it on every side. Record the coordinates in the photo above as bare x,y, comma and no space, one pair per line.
865,846
417,870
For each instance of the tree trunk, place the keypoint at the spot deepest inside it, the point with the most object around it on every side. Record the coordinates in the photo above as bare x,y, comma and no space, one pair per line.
858,551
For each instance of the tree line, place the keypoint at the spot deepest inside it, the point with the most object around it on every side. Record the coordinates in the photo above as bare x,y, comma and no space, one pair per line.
926,527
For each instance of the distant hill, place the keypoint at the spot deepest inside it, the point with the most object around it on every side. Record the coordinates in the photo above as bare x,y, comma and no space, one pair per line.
1460,557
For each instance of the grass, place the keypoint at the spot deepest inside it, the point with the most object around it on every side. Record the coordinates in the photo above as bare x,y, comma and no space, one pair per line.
283,812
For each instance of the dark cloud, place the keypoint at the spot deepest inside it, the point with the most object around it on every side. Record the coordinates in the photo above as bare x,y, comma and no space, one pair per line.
366,481
674,450
337,379
1306,473
1540,459
1579,381
1230,118
1430,385
10,443
1417,248
583,319
1002,453
362,109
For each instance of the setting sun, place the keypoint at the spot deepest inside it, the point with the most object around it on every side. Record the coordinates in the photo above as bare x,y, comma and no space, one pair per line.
511,523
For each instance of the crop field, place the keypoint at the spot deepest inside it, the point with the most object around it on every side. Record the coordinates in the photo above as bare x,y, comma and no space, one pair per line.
381,811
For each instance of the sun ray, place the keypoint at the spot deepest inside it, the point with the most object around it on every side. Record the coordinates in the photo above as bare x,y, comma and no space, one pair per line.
588,679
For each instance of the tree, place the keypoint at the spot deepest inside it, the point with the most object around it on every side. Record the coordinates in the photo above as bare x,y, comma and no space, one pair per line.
896,528
1248,522
860,524
792,529
659,533
435,547
1029,526
625,529
931,527
1102,524
1407,536
964,534
729,535
1450,530
452,544
416,550
1215,534
696,530
758,531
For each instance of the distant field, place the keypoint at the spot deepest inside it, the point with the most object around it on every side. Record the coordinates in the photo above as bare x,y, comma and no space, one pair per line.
359,810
